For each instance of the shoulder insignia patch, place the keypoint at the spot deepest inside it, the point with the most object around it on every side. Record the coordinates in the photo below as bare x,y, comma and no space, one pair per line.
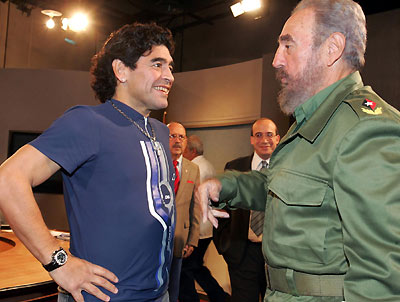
369,104
369,107
377,111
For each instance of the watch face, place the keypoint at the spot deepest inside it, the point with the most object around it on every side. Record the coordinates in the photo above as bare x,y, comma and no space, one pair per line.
61,257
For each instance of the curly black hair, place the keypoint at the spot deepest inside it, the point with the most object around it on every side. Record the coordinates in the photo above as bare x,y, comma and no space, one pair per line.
127,44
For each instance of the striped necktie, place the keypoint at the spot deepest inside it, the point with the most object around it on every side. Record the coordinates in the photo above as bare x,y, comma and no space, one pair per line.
264,164
257,217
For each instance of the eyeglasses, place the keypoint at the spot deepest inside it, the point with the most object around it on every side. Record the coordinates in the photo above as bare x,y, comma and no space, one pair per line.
260,135
175,136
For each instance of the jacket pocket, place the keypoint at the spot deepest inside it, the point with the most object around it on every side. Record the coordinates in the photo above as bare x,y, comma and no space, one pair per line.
297,213
298,189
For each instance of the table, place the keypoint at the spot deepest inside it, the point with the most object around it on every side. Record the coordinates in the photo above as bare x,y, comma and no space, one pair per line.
20,272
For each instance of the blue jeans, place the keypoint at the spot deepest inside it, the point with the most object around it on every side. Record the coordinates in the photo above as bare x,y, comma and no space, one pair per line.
174,278
64,298
68,298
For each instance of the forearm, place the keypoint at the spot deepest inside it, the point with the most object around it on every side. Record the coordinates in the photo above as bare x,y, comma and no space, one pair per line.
243,190
25,169
18,205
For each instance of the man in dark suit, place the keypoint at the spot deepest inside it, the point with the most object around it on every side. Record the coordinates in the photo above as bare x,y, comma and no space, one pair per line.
238,238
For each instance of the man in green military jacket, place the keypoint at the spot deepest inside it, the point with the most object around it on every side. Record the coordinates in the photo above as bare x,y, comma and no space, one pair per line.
331,194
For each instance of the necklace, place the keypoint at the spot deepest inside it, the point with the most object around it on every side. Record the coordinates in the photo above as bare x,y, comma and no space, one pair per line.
146,133
156,145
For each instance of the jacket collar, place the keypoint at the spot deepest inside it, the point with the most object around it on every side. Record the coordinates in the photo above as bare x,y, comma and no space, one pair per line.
318,120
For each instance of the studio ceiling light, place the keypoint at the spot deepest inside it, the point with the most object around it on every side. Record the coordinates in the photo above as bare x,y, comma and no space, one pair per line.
51,13
78,22
245,6
250,5
237,9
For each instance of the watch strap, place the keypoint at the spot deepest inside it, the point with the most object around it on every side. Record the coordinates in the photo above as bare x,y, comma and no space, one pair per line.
54,263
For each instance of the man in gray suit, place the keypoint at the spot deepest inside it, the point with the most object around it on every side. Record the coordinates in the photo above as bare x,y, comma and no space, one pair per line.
187,213
193,267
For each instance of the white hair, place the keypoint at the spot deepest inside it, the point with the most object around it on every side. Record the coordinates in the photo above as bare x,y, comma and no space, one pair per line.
344,16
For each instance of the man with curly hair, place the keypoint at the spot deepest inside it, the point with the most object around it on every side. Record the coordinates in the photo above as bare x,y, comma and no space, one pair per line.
118,180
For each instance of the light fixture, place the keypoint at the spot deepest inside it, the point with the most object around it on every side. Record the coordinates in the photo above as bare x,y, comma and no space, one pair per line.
78,22
51,13
237,9
250,5
64,22
50,23
245,6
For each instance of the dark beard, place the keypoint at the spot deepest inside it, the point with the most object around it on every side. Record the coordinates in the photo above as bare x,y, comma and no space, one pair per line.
300,88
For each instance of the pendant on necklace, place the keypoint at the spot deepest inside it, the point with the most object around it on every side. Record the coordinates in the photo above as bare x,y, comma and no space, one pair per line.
157,147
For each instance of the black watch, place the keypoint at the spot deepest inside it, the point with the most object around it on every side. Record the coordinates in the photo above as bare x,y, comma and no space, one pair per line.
58,258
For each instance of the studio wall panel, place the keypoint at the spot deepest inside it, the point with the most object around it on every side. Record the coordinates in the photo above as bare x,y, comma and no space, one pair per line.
31,100
229,95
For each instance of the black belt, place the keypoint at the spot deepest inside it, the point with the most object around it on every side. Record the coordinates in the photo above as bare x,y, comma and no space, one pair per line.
303,284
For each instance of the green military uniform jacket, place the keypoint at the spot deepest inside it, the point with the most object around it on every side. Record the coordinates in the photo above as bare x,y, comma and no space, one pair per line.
332,194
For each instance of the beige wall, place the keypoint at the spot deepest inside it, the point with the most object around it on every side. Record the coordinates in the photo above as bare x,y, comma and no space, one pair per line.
220,96
223,144
31,100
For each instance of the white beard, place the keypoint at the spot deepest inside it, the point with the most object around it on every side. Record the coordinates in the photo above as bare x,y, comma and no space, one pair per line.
301,87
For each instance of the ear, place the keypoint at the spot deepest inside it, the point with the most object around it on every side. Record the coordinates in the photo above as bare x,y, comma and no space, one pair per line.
119,69
336,45
252,140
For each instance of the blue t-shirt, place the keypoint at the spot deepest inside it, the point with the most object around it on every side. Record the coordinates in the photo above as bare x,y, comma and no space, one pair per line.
118,192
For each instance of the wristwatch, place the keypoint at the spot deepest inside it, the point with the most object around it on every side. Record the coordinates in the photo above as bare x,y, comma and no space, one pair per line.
58,258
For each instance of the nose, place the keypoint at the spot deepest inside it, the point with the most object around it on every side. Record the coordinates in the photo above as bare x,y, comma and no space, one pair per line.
265,139
168,76
278,60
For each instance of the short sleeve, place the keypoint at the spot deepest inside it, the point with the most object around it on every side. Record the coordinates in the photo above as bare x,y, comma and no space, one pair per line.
71,140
